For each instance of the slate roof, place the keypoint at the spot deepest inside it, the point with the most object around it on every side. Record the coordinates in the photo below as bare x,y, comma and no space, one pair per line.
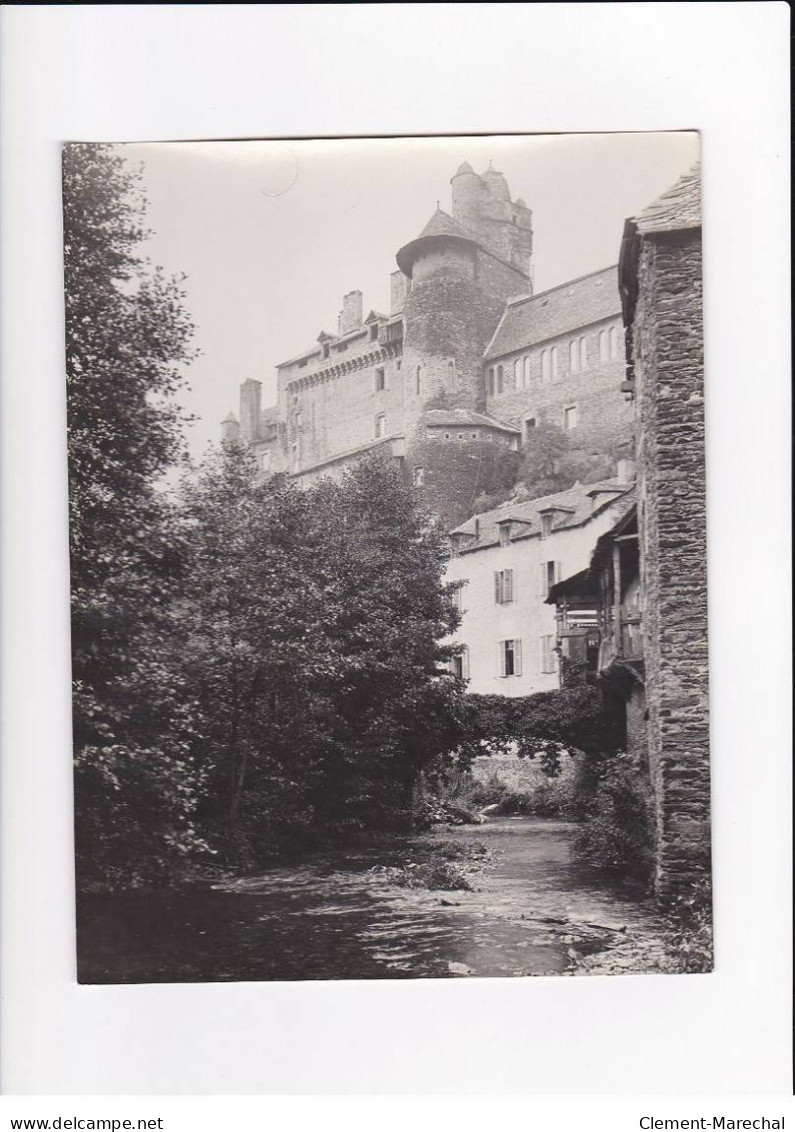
530,319
442,224
456,418
576,505
678,208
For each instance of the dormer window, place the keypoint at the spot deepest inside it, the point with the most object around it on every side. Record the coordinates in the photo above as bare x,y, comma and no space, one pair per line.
546,525
373,331
505,534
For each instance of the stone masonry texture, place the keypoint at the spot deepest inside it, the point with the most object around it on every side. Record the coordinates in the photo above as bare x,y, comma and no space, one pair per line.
668,358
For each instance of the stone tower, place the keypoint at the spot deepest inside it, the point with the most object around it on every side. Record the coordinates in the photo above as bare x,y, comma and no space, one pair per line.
460,270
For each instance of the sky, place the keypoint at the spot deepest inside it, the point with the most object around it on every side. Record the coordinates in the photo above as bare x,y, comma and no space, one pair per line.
271,234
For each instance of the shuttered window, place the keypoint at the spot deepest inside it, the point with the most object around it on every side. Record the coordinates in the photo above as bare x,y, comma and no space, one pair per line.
503,586
548,655
549,574
510,658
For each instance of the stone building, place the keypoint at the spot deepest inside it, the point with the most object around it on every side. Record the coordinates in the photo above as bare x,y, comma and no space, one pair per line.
661,291
504,563
647,578
466,361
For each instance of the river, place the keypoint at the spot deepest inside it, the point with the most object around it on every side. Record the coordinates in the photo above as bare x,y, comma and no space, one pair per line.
532,909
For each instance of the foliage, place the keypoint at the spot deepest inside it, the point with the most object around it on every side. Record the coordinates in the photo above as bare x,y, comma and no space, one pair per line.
127,337
313,620
618,834
546,464
547,726
689,942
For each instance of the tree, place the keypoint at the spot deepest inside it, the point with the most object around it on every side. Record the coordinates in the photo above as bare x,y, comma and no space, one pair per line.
314,618
127,338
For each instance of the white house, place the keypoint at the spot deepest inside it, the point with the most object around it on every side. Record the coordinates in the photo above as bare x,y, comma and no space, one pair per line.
505,562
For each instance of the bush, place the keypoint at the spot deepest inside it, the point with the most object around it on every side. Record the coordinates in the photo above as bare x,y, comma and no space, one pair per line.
689,944
617,835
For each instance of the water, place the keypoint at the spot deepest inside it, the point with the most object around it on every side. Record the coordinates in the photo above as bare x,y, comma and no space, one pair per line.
534,911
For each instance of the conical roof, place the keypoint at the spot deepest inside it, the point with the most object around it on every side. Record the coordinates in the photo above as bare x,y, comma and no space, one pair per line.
440,226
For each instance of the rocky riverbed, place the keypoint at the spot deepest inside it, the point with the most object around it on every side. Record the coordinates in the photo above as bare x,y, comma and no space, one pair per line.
506,898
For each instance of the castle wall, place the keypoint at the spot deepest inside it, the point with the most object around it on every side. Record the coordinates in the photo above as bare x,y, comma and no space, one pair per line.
668,358
329,406
605,417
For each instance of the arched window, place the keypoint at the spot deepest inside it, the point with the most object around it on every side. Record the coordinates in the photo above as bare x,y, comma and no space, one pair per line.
613,342
491,382
526,368
545,366
583,353
553,353
517,374
500,379
451,374
604,350
574,356
419,380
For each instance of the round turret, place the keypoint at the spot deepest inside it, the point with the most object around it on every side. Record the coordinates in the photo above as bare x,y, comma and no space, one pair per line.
230,429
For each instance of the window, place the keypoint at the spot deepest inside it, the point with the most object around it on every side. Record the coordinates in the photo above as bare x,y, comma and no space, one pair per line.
574,356
419,476
583,353
380,380
324,349
491,382
550,573
447,436
548,653
511,658
503,587
604,348
554,354
474,435
500,379
342,347
546,525
529,425
459,665
545,366
461,436
380,424
451,374
373,331
505,534
456,598
398,363
571,417
517,374
297,420
613,342
526,370
418,379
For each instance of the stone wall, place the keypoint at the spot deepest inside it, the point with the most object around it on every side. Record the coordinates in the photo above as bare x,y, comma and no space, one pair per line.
605,417
525,776
668,358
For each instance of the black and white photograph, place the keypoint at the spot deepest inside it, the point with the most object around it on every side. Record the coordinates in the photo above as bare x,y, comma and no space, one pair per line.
388,558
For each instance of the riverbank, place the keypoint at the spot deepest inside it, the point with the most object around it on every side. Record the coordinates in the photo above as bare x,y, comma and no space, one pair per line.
507,898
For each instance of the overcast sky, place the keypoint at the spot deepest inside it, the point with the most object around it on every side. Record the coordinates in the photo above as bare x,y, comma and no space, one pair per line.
272,234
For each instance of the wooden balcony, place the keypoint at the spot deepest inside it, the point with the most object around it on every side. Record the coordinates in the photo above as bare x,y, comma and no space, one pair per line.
624,645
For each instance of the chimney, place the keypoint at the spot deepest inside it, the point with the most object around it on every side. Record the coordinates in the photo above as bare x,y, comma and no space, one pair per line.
230,429
250,409
399,288
625,471
352,313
